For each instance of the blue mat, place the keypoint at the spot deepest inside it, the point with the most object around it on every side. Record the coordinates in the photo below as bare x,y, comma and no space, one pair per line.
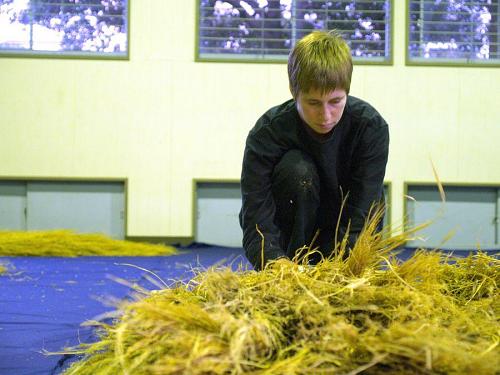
43,301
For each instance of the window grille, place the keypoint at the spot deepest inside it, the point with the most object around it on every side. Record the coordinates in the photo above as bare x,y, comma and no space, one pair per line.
453,32
266,30
65,28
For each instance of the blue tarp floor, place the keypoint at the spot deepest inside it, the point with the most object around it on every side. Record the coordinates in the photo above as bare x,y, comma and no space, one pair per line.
45,300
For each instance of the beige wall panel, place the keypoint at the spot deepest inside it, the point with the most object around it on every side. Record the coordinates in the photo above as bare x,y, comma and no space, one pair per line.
160,119
37,109
479,126
174,41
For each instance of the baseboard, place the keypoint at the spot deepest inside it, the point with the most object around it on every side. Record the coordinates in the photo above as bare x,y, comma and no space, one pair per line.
183,241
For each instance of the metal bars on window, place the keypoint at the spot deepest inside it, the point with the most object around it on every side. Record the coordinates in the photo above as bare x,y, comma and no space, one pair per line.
453,32
64,28
266,30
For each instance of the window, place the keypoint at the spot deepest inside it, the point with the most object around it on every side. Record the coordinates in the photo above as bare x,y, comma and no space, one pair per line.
453,32
266,30
63,28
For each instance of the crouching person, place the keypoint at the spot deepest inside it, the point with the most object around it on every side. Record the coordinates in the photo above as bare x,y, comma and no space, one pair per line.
314,161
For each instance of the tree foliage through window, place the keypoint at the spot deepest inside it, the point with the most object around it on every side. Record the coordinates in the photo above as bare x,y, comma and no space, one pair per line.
81,26
268,29
454,30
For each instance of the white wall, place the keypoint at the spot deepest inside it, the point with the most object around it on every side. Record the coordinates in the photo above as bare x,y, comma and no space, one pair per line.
161,119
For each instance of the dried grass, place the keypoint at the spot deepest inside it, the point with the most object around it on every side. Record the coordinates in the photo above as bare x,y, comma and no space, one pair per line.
66,243
366,313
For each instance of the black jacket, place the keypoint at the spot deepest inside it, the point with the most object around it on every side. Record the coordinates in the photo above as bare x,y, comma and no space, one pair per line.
352,160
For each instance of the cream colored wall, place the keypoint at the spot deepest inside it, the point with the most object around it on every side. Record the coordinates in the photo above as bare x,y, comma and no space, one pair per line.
161,120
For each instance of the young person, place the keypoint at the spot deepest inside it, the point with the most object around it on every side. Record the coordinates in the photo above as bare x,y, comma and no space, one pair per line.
307,156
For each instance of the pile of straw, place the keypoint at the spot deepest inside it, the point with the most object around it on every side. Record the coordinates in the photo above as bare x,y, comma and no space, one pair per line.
365,313
66,243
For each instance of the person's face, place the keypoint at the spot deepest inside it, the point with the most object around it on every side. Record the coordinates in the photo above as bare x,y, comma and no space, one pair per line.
321,112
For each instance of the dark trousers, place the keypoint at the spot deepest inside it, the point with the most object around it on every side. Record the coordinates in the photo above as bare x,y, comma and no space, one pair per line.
300,210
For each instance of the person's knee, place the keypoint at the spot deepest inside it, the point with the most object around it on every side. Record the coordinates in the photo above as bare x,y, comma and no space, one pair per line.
297,172
306,177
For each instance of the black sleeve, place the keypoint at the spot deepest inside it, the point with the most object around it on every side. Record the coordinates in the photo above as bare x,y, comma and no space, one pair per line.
262,153
366,176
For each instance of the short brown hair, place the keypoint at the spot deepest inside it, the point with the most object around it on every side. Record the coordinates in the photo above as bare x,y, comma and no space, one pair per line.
321,60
